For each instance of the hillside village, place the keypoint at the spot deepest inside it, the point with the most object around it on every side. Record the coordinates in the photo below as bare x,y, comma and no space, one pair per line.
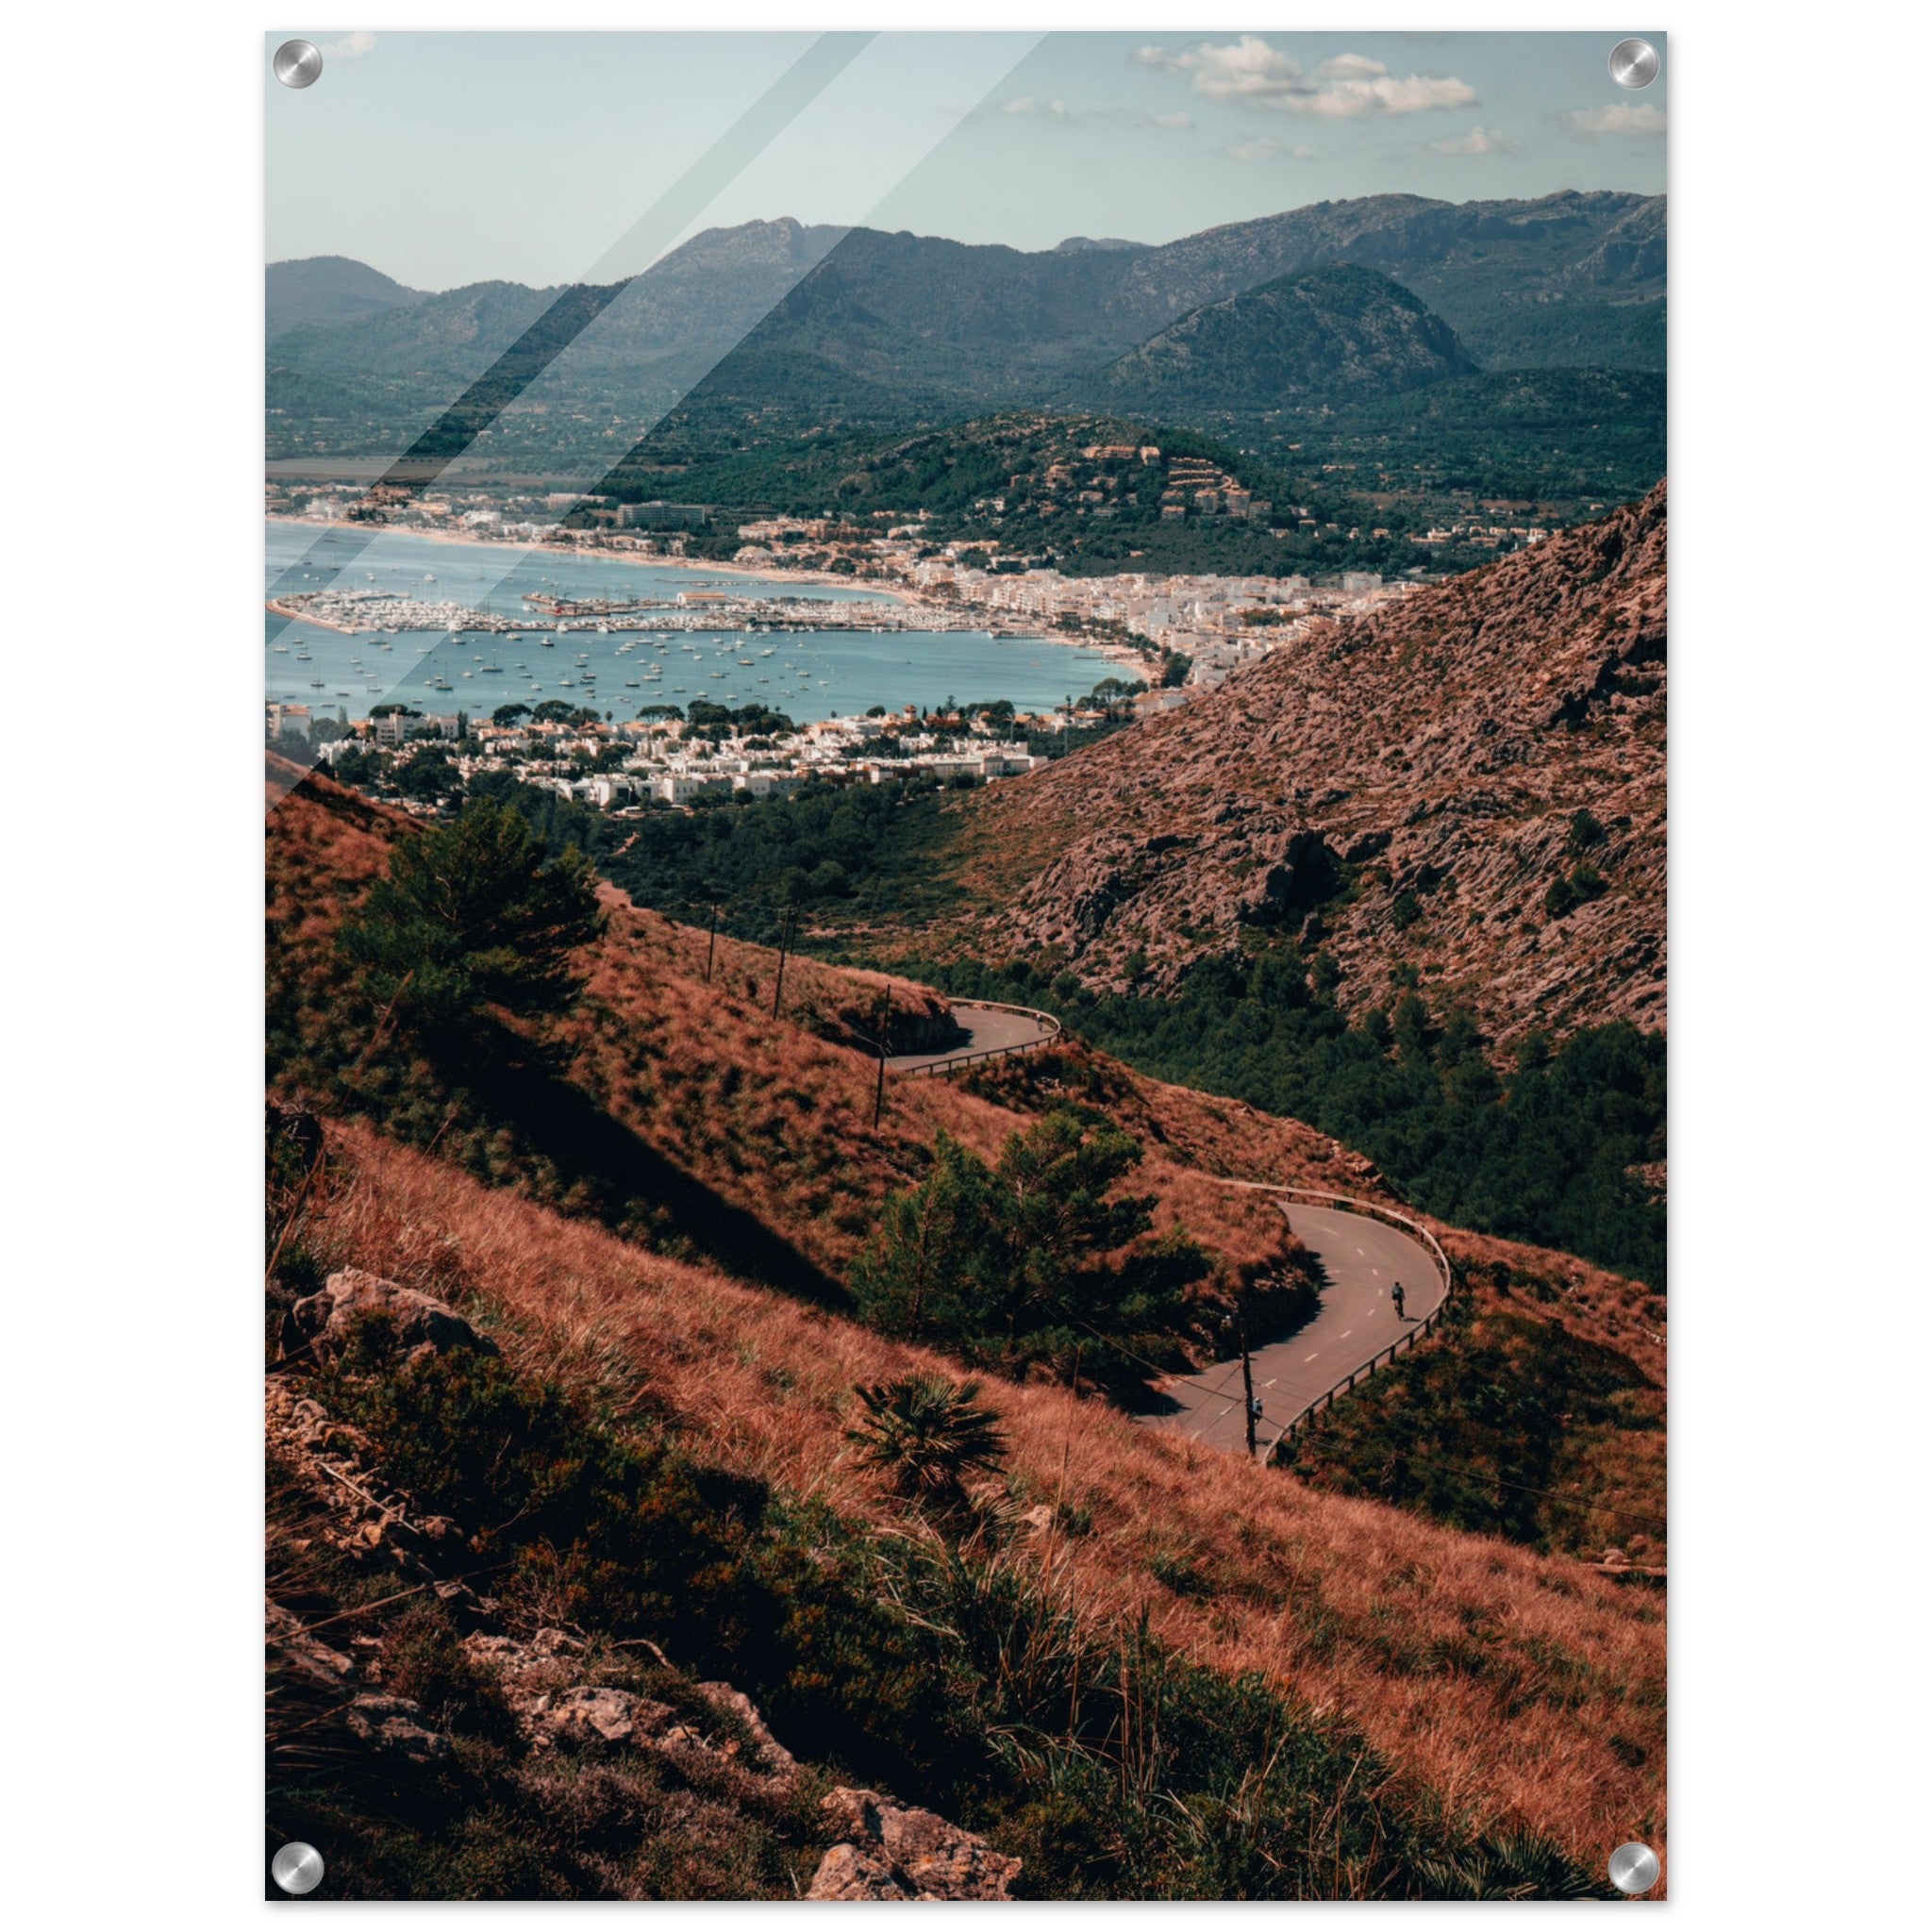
661,761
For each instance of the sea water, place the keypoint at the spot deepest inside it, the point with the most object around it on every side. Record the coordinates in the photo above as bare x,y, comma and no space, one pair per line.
809,673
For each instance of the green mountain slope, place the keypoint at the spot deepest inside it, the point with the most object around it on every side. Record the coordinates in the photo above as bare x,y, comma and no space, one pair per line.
1323,337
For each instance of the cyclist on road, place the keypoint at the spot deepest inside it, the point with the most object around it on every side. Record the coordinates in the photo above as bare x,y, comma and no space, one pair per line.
1400,1314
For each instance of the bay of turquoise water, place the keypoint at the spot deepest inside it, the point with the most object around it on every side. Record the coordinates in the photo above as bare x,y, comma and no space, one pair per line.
808,675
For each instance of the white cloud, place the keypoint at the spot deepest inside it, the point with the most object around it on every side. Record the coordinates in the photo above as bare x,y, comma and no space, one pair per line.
348,49
1620,117
1351,67
1478,141
1030,107
1259,148
1346,87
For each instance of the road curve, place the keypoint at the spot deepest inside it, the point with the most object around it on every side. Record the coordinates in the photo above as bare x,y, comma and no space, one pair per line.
1362,1259
990,1032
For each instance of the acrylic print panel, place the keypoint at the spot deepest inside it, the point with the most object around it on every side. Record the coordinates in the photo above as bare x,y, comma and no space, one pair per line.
966,976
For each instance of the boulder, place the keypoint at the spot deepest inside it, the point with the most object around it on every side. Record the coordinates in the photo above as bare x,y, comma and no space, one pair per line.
394,1724
419,1324
769,1757
598,1714
889,1852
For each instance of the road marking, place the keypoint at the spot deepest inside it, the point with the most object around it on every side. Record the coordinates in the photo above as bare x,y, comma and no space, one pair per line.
1271,1382
1310,1358
1346,1333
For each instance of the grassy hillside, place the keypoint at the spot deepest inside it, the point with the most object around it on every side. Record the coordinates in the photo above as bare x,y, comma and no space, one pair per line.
1492,1687
654,1204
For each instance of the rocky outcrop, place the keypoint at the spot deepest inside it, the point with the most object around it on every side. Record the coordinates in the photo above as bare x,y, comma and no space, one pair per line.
1305,874
767,1757
320,1325
394,1726
355,1512
544,1683
889,1852
1404,789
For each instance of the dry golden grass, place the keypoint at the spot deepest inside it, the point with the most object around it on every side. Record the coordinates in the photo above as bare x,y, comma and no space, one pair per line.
1516,1687
771,1114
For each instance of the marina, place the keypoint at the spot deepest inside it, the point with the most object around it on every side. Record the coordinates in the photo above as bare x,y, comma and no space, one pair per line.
811,659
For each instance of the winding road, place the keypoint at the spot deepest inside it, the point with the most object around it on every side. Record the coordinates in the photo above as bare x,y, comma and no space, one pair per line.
990,1031
1362,1259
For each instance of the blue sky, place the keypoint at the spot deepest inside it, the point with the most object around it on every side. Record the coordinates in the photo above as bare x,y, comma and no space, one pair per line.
443,159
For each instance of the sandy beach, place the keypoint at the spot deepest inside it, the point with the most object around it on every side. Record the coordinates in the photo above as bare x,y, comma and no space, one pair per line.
701,566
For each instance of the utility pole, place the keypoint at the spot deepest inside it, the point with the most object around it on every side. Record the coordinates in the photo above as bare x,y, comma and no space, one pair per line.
785,935
1248,1404
883,1022
711,949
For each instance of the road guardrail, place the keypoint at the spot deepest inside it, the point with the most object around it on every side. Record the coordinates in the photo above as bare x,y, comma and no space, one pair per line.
966,1056
1372,1210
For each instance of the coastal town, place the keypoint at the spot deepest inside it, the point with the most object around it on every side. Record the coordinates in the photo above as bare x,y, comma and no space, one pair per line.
1168,636
714,754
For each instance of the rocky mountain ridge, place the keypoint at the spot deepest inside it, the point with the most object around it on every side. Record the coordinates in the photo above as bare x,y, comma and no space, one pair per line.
1472,783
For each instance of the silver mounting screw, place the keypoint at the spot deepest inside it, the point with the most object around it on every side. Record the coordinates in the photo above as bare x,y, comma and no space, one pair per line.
296,1868
1633,63
298,63
1633,1868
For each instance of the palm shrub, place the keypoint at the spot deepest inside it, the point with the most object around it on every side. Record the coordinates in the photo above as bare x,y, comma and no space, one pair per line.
926,1434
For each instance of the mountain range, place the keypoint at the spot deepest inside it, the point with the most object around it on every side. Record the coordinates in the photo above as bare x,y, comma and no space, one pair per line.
799,323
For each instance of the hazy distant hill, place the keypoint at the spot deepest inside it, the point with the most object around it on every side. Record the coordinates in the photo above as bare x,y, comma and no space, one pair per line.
329,288
1524,283
909,323
1328,335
